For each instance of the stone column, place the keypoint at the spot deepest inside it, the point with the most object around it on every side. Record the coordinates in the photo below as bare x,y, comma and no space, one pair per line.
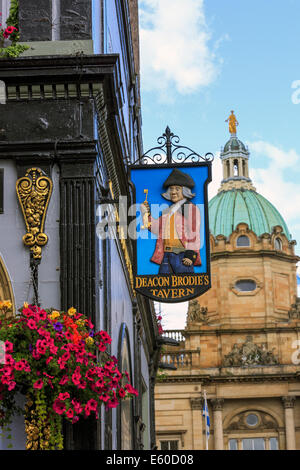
289,403
197,405
217,404
240,166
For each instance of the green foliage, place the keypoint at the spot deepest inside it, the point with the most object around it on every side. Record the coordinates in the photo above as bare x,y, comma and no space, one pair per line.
13,51
13,20
161,375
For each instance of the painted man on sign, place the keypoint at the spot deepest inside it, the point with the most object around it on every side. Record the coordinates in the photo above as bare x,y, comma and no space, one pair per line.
177,247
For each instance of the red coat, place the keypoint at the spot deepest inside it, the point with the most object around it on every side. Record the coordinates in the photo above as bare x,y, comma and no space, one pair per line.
187,224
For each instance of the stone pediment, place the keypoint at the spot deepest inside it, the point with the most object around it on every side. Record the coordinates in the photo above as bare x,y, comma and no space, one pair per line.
249,354
264,422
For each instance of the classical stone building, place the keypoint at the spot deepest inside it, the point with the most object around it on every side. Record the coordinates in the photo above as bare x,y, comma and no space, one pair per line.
70,111
241,340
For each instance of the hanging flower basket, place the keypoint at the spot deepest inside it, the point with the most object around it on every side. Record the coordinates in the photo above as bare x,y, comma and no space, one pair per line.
59,362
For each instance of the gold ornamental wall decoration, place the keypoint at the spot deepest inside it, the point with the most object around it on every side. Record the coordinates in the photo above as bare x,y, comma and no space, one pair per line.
34,191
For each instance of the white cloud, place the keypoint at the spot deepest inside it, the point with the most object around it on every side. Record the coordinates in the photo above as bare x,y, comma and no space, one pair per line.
217,176
273,184
175,48
281,158
174,316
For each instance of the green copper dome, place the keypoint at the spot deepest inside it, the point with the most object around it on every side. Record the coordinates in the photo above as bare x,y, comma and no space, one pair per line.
234,145
230,208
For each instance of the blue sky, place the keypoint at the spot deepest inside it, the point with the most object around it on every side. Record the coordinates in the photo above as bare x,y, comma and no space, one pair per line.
202,58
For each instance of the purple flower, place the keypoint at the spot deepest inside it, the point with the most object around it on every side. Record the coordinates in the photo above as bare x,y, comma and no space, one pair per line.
91,333
58,327
30,348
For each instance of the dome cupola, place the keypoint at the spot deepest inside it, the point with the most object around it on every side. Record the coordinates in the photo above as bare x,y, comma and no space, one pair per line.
237,200
235,157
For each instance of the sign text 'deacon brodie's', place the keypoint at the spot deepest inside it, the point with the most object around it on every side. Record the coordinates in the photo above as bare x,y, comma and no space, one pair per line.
172,243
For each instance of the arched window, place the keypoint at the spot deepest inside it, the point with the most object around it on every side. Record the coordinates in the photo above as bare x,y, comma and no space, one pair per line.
278,244
243,240
244,168
125,409
228,169
235,168
253,430
5,284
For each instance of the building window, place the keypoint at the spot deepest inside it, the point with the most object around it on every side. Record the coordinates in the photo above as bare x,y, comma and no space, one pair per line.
256,443
4,9
273,443
252,420
233,445
243,240
278,244
169,445
245,285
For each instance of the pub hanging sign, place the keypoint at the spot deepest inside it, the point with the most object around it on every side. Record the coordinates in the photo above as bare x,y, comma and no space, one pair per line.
172,258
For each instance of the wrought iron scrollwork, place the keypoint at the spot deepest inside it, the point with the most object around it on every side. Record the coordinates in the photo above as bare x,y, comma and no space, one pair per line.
169,152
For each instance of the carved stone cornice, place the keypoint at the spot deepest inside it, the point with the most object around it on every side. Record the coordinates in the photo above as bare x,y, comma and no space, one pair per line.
288,401
217,404
196,403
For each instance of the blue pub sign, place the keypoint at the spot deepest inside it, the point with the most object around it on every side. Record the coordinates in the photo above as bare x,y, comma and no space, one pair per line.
172,259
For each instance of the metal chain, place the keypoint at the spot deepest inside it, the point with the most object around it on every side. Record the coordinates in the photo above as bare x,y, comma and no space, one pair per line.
34,264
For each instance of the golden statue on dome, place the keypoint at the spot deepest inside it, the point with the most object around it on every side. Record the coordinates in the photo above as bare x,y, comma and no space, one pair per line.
233,123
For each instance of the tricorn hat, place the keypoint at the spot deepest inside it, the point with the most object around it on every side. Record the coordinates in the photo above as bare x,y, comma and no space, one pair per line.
178,178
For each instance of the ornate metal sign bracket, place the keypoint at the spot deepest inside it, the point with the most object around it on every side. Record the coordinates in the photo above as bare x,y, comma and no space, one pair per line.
34,191
169,152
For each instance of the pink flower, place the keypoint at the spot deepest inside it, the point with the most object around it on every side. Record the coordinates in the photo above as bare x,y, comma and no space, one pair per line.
9,360
59,406
82,384
122,392
10,29
49,359
26,366
31,324
9,347
70,414
11,385
99,383
102,347
77,406
112,403
38,384
64,380
131,390
42,315
92,404
19,365
63,396
105,337
75,419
